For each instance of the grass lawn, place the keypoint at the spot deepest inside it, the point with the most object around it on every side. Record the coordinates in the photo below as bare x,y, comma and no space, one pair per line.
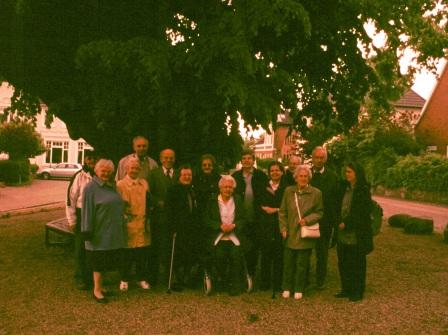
407,293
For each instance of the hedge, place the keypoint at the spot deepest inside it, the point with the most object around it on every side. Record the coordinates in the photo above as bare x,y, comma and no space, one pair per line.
419,173
14,172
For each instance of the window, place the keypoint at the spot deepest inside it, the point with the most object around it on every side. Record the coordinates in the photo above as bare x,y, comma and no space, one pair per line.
57,152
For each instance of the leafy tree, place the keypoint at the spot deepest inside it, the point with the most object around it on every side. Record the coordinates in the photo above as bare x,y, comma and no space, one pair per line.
180,71
20,140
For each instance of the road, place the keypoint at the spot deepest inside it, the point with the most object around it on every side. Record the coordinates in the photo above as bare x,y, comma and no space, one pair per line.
438,213
43,193
39,193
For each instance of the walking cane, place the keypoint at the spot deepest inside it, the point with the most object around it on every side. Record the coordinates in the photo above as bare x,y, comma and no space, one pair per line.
171,264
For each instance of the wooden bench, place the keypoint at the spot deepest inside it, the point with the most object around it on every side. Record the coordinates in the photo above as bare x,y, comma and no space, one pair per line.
61,228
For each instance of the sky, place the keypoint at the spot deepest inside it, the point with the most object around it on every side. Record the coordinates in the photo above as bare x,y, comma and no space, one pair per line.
425,82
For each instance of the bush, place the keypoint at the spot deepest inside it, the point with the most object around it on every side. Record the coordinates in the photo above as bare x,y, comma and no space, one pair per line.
445,234
419,173
14,172
34,168
417,225
399,220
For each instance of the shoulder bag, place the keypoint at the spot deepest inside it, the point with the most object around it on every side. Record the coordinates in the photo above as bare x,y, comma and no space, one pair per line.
307,231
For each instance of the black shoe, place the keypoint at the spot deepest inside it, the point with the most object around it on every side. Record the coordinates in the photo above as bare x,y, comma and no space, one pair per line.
176,287
341,294
102,300
355,297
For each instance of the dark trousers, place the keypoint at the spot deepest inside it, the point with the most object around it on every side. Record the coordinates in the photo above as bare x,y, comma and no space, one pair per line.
321,248
160,251
253,250
186,255
83,271
228,264
272,263
140,257
296,263
352,269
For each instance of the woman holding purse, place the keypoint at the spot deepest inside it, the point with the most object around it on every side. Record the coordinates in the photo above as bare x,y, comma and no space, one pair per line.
301,206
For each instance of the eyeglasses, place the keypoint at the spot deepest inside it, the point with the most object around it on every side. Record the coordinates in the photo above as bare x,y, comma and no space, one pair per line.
207,165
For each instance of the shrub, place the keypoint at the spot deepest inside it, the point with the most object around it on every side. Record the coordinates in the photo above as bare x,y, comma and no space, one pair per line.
399,220
419,173
417,225
445,234
34,168
14,172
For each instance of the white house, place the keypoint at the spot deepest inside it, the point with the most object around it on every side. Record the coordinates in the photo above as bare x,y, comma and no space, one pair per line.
60,147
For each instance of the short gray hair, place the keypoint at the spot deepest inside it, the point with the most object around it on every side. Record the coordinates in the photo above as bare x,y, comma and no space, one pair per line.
104,163
303,167
320,148
225,178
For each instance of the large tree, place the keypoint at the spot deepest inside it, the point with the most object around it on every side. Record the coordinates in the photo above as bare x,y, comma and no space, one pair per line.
181,71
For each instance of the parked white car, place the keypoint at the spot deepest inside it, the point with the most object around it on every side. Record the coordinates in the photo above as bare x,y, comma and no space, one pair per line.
61,170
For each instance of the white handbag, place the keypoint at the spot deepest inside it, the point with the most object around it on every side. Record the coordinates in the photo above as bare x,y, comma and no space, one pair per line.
307,231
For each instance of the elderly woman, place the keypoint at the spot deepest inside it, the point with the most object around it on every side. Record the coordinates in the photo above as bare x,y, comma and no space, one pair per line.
301,205
270,237
183,222
134,191
354,236
226,222
102,224
206,181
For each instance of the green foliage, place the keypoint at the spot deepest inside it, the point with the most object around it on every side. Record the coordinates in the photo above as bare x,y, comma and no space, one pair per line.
14,172
377,144
398,220
416,225
179,72
422,173
20,140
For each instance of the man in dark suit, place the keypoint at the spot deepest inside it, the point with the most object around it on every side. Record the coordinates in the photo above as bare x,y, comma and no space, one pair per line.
160,180
327,182
250,185
293,162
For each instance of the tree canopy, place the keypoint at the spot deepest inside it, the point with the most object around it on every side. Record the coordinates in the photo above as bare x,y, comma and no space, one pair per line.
179,72
20,141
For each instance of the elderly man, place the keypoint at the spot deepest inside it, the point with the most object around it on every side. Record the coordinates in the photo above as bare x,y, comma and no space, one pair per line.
140,146
83,276
293,162
160,180
327,182
250,185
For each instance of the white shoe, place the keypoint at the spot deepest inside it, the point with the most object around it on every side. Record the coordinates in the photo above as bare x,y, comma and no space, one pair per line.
298,295
286,294
124,286
144,285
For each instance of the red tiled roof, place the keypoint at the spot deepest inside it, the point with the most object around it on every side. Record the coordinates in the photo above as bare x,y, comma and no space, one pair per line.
410,99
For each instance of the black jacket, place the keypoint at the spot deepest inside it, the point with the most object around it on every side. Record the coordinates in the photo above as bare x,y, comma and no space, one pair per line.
259,183
328,183
359,219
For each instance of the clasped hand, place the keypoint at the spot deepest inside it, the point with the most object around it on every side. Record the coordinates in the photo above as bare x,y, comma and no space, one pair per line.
227,227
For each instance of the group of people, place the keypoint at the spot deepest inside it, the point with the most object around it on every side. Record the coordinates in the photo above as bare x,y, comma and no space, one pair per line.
175,224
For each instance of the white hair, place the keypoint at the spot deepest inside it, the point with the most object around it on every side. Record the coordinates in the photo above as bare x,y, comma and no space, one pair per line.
303,167
104,163
226,178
